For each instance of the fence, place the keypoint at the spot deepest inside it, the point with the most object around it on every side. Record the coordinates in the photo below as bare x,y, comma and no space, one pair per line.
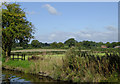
18,56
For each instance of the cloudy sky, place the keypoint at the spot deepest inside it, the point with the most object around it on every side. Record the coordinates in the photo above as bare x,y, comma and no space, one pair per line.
59,21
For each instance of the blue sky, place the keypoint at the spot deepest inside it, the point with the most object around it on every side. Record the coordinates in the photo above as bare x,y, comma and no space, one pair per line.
59,21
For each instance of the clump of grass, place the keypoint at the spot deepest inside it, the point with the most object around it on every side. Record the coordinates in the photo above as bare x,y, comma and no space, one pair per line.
48,65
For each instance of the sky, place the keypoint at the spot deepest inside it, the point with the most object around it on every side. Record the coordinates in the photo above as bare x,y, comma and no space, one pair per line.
59,21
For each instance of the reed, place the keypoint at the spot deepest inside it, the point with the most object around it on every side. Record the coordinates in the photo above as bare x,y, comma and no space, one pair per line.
90,67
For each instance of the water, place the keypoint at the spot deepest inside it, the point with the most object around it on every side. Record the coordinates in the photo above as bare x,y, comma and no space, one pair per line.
20,78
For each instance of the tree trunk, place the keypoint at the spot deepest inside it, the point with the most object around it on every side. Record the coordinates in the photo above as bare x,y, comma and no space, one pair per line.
8,53
7,58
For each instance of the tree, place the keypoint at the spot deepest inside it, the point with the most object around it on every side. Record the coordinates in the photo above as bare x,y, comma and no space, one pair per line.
108,44
46,44
15,27
60,45
70,42
78,45
35,44
54,45
99,44
113,44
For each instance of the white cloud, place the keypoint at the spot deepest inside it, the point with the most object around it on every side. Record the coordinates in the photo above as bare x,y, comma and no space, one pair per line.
97,36
111,28
51,9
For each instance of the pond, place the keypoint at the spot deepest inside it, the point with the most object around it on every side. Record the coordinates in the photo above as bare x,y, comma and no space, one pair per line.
14,77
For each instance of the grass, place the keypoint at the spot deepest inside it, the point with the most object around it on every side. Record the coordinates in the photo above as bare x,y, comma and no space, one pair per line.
87,67
16,63
54,55
47,55
48,64
69,65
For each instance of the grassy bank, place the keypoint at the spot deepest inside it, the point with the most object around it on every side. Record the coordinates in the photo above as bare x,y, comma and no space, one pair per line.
45,65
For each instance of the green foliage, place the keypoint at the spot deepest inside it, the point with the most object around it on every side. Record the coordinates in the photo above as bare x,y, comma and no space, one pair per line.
54,45
70,42
16,63
15,27
57,45
60,45
88,67
35,44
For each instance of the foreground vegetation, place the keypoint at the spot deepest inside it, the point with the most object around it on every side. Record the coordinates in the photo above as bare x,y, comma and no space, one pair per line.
45,65
74,65
87,67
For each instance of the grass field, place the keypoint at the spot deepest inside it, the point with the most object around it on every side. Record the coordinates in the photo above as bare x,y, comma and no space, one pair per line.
47,55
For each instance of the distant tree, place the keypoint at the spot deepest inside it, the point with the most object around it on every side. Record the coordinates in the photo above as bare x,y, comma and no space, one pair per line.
70,42
46,44
54,45
15,26
108,44
79,45
35,44
118,43
99,44
86,44
41,44
60,45
113,44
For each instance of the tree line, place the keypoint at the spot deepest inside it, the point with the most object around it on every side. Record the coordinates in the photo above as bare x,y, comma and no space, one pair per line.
67,44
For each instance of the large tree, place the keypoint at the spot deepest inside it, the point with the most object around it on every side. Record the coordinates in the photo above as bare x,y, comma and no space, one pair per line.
36,44
15,26
70,42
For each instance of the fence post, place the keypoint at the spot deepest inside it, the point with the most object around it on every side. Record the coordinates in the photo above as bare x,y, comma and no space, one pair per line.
18,56
13,56
10,56
24,56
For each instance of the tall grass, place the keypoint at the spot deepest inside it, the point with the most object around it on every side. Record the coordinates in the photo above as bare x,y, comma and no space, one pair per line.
88,67
47,65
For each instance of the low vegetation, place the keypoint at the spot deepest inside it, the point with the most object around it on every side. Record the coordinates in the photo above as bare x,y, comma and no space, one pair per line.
87,67
74,65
